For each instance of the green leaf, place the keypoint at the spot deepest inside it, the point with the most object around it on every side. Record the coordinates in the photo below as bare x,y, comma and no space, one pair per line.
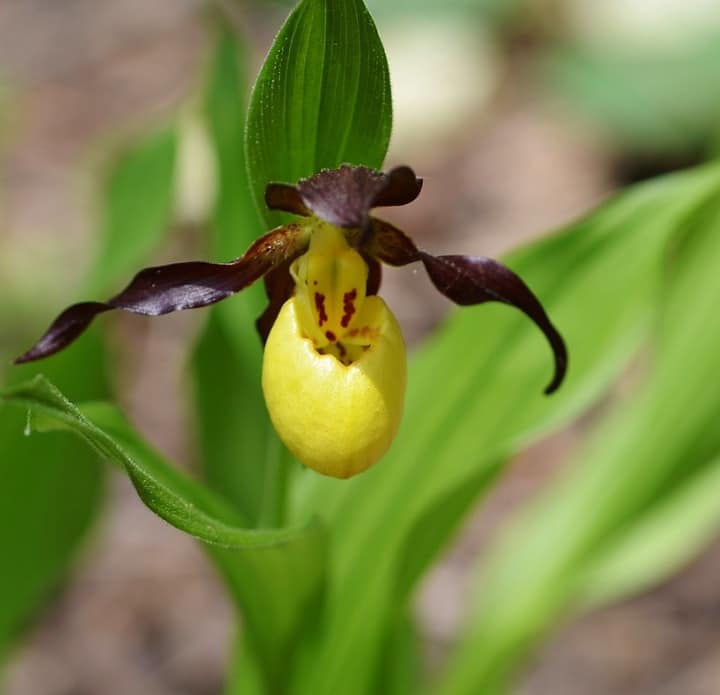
475,397
322,97
402,664
44,512
273,574
137,209
244,677
639,470
42,517
174,497
662,541
431,530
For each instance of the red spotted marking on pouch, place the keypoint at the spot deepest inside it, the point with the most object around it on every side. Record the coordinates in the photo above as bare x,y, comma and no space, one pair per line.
348,307
330,336
368,332
320,307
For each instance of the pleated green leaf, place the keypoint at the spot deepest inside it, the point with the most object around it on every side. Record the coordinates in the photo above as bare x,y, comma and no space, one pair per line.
475,398
322,97
603,530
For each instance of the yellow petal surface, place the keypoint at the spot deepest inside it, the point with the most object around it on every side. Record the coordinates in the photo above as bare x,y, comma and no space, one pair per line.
338,419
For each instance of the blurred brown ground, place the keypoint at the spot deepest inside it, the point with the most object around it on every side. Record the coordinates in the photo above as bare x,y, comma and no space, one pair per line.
142,612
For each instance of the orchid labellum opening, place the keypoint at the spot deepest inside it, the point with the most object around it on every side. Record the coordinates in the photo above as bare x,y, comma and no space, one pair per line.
334,365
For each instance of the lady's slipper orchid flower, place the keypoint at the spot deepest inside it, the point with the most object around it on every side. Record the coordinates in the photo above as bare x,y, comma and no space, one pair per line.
334,364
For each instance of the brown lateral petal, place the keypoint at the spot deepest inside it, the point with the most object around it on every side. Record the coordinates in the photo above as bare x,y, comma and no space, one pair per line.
390,245
283,196
470,280
374,278
344,196
174,287
279,287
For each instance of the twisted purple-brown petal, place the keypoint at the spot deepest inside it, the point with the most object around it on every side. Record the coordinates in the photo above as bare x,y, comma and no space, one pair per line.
468,280
175,287
475,279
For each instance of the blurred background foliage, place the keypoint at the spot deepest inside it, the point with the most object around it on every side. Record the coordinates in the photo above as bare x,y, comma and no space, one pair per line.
121,145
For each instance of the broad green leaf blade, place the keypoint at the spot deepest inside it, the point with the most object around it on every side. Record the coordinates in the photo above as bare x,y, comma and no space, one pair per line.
402,665
276,589
243,677
432,529
322,97
273,574
661,542
138,204
43,519
44,513
236,439
474,398
658,446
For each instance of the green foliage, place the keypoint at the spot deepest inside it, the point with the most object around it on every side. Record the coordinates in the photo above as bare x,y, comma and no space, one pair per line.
172,496
607,520
460,422
277,562
45,511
